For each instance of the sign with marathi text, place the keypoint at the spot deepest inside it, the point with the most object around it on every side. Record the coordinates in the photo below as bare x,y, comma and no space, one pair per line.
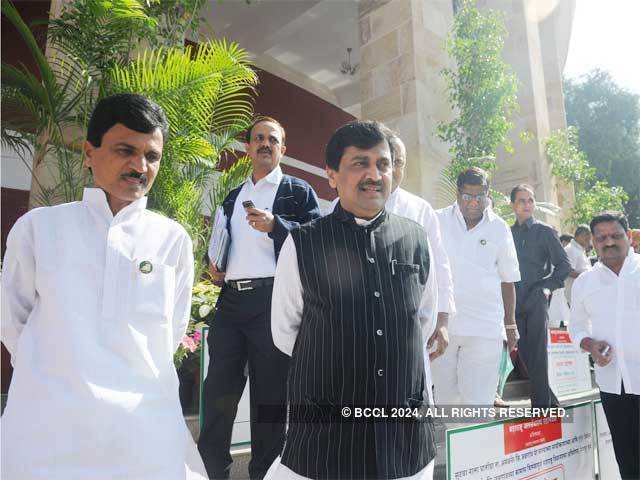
524,449
568,366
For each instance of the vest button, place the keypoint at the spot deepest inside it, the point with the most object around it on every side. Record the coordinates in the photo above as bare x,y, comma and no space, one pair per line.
379,332
380,373
371,260
376,294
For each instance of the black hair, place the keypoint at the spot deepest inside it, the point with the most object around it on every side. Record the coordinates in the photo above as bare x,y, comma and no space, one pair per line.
131,110
263,118
472,176
363,134
565,237
610,216
523,187
581,230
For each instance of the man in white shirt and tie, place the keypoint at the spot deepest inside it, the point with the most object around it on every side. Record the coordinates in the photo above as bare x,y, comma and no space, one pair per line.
96,297
485,266
577,254
605,321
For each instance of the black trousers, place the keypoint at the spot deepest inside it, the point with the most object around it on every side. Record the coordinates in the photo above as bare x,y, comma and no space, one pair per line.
623,417
241,333
532,318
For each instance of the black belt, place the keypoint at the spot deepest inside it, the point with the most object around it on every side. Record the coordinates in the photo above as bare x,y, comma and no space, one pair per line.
250,284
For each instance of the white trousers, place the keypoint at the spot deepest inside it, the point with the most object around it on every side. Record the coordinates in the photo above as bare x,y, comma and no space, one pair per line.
467,372
277,471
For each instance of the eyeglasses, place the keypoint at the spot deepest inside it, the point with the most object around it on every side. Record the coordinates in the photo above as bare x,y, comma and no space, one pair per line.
613,236
467,197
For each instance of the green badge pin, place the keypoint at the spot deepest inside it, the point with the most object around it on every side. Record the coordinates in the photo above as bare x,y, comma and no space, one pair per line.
146,266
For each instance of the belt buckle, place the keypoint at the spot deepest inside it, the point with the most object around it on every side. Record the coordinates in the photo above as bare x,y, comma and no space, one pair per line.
240,287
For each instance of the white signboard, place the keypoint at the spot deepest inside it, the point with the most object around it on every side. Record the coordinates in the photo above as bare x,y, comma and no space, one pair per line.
524,449
608,466
241,428
568,367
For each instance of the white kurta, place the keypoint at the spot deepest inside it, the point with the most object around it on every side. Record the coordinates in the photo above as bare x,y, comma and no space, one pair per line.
94,393
606,306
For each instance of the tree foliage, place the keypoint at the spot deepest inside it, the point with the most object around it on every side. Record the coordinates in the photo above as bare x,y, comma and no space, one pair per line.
569,163
608,119
481,89
482,92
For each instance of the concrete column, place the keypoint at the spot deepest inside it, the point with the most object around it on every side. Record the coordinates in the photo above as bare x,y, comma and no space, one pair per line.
402,54
533,52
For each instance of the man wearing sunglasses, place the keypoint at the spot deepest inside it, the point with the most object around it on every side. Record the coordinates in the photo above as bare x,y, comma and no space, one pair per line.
484,267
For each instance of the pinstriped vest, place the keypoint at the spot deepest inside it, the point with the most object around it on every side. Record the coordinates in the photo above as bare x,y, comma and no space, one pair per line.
360,344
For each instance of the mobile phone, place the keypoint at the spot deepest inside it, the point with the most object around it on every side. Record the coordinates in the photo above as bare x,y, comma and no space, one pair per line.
248,204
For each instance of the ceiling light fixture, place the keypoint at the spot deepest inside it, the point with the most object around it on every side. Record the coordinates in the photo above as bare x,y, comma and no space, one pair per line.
346,68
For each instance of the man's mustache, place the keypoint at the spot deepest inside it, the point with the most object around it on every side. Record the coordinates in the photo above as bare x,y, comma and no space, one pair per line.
264,150
137,175
371,183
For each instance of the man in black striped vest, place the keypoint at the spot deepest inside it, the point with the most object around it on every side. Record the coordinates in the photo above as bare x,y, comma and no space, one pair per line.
353,303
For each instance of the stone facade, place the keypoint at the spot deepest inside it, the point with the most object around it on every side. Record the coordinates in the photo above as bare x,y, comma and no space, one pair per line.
402,55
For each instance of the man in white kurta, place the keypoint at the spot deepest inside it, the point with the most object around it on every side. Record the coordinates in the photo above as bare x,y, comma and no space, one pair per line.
485,267
605,321
96,296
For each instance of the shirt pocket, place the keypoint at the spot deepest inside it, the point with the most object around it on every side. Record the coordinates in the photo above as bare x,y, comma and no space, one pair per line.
406,272
407,281
486,254
153,290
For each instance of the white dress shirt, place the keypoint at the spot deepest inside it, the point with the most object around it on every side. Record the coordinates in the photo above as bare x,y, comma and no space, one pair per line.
579,262
606,306
481,259
93,308
408,205
251,253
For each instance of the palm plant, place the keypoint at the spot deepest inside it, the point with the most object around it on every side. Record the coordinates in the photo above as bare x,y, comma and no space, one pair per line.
206,94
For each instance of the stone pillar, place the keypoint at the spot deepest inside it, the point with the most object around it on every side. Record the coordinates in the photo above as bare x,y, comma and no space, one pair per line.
401,56
532,51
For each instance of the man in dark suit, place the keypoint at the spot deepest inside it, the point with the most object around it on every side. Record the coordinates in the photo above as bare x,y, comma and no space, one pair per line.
543,268
259,215
354,302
